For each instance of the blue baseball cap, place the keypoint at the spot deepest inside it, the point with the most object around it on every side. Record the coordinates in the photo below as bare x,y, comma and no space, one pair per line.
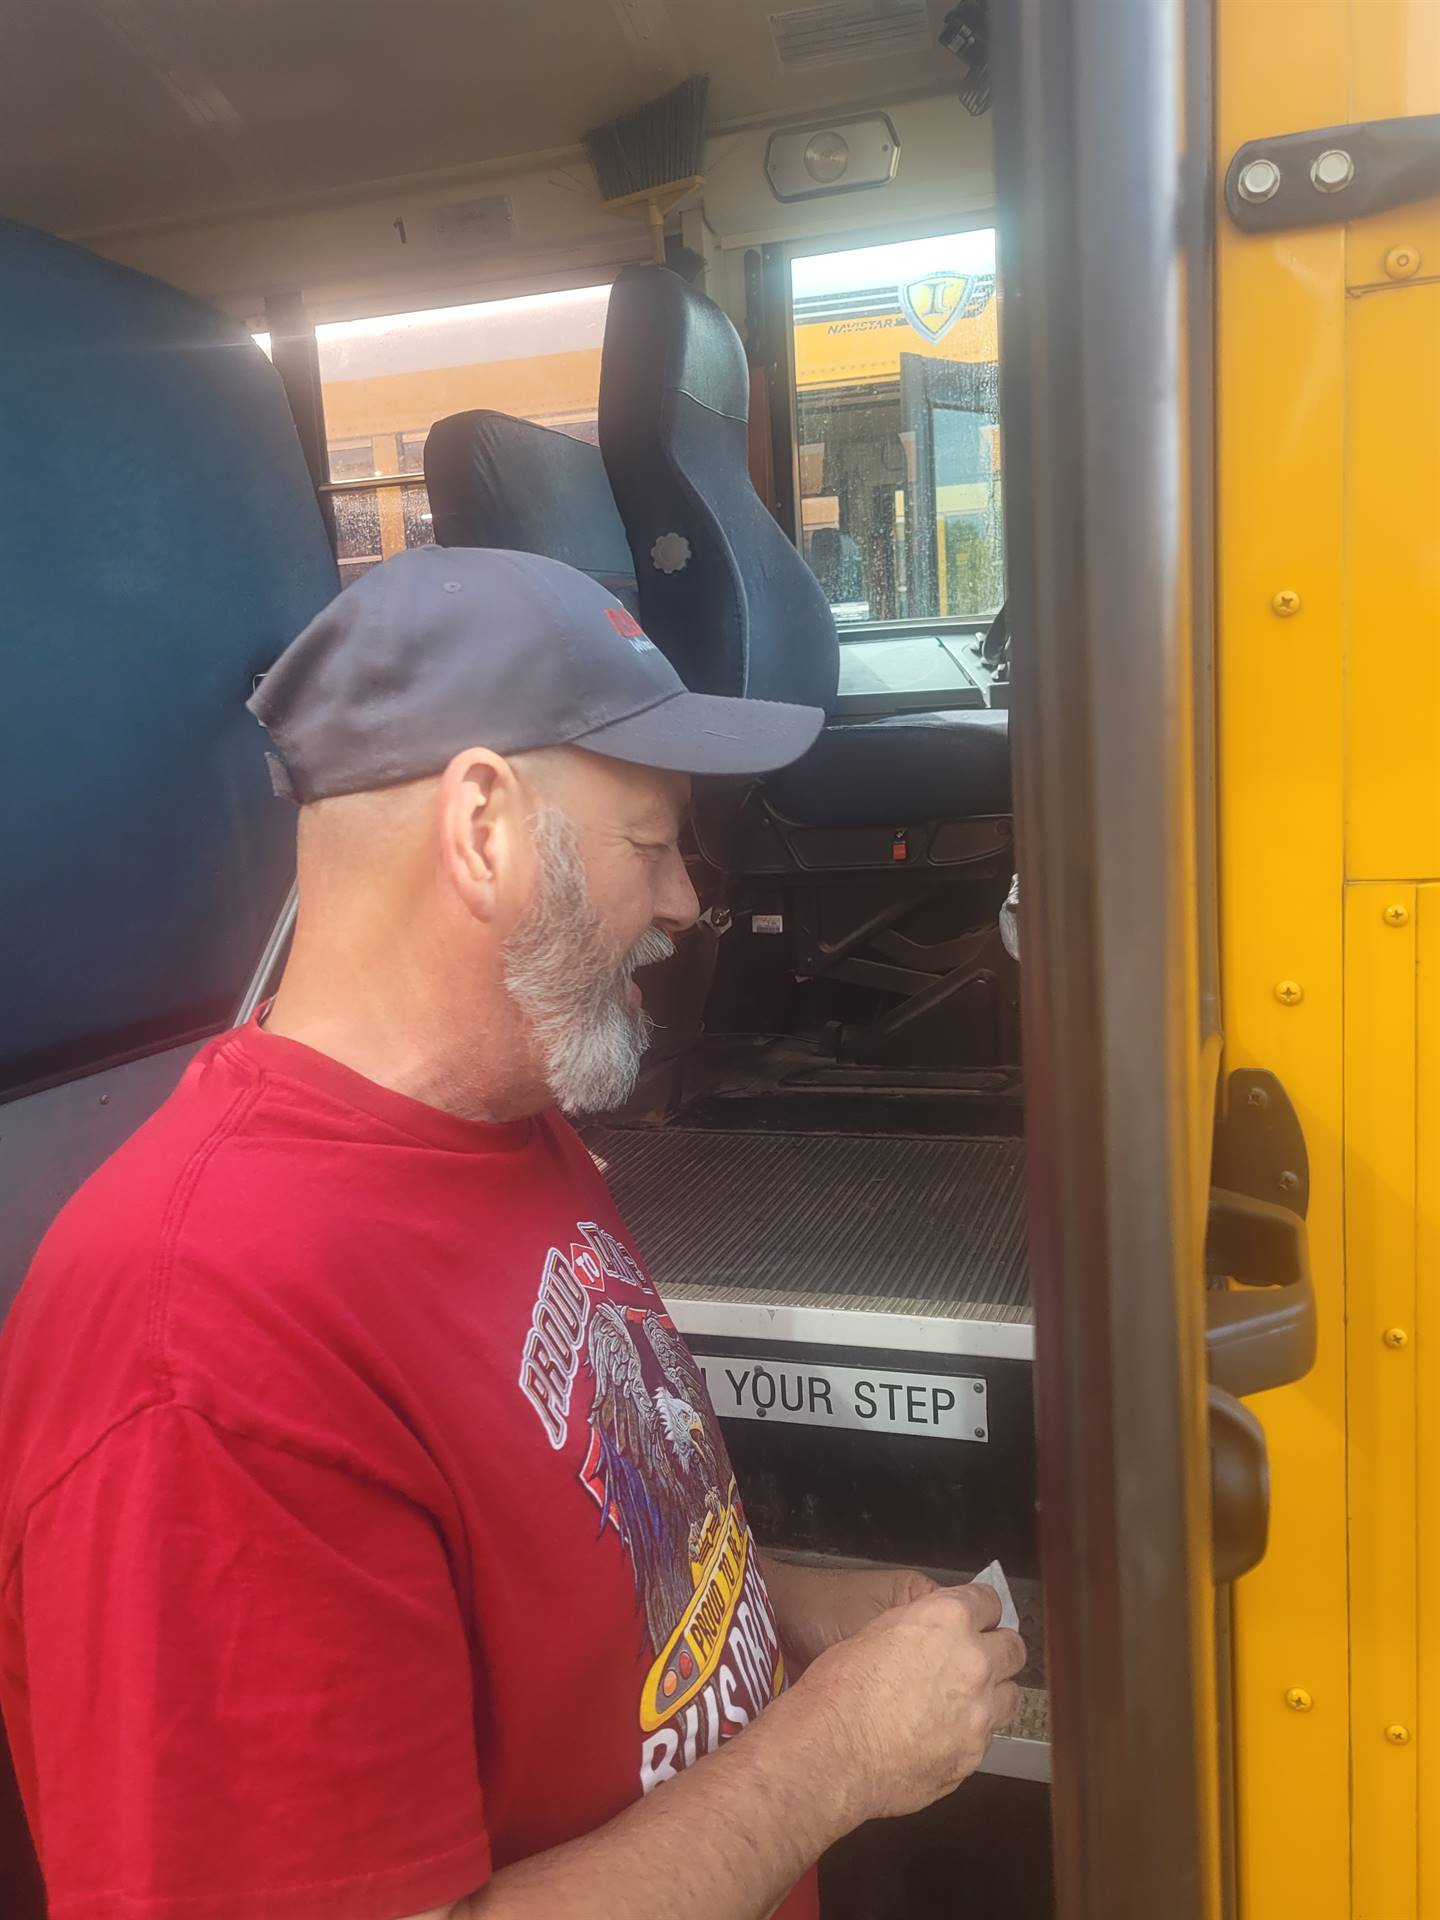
443,648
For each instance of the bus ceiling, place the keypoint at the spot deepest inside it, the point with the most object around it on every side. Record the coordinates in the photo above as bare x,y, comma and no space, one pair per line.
339,151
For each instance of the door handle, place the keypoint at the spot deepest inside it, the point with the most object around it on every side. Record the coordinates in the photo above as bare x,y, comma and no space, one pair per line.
1239,1489
1260,1319
1259,1333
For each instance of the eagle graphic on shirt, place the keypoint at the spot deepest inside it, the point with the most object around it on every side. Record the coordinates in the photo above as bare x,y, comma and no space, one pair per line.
652,1464
657,1470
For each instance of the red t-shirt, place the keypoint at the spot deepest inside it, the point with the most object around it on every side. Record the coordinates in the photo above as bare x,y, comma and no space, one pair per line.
364,1524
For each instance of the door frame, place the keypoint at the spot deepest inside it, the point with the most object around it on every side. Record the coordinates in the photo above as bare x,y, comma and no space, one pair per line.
1103,168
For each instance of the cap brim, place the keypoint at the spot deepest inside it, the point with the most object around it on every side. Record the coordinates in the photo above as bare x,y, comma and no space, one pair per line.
701,733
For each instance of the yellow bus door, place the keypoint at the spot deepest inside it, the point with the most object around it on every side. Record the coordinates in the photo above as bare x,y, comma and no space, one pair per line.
1329,781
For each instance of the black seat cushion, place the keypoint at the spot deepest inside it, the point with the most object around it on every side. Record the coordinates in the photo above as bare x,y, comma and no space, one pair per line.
495,481
723,592
904,768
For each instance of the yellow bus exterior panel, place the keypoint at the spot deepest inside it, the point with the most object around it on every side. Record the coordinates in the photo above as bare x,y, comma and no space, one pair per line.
1393,57
866,351
1392,272
1380,1123
1394,553
1280,525
1425,1347
551,387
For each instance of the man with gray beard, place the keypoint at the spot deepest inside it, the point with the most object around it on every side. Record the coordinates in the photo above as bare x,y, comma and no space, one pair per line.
369,1546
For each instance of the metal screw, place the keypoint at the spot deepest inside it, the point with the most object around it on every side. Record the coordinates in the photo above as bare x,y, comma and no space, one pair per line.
1332,171
1289,992
1396,916
1396,1337
1300,1699
1286,602
104,1099
1289,1182
979,1386
1257,1097
1259,180
1397,1735
1402,262
979,1433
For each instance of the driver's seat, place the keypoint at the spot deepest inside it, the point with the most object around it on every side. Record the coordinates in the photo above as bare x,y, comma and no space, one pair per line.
730,599
887,848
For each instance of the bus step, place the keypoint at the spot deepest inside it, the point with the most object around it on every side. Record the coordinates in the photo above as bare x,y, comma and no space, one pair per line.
849,1222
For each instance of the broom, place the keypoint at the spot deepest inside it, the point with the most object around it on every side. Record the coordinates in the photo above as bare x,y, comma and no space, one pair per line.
966,33
652,158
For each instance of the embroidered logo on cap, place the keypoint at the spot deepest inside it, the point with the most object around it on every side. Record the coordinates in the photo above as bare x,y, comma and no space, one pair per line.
629,628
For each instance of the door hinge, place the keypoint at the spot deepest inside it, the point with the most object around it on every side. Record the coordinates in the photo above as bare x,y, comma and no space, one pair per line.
1328,175
1259,1145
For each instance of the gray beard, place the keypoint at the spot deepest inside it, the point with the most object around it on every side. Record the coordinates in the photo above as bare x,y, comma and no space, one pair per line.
569,981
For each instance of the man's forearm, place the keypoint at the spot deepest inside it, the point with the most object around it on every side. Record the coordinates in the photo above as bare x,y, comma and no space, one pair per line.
885,1722
725,1841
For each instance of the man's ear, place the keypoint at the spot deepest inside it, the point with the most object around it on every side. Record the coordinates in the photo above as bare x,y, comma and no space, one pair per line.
482,842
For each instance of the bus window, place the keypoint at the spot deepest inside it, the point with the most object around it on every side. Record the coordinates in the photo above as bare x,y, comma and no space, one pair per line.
385,382
372,522
895,356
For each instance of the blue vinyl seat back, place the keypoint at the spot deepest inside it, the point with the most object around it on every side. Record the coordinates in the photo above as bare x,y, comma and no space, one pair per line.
160,543
496,481
722,591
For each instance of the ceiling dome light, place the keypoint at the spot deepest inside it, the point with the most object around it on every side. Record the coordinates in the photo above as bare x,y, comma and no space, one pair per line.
838,156
827,156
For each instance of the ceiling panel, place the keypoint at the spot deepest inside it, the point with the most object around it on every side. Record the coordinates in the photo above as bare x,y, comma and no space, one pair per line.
113,111
733,43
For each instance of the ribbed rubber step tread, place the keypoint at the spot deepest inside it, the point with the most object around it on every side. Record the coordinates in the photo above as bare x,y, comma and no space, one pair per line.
834,1220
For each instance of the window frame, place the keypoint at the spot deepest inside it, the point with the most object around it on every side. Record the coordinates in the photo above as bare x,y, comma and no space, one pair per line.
578,282
294,352
779,329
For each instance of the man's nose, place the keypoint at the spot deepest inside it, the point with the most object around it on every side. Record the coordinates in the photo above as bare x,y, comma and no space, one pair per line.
677,905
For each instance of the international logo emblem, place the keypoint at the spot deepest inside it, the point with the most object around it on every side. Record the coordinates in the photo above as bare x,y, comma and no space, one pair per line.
935,301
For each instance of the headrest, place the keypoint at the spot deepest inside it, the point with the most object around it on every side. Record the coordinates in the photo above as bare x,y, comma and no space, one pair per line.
495,481
663,336
722,590
160,543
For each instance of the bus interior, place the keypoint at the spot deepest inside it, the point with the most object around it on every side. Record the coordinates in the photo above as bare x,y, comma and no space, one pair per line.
290,288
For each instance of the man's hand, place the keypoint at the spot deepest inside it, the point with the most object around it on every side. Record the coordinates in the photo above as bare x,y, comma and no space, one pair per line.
817,1608
914,1698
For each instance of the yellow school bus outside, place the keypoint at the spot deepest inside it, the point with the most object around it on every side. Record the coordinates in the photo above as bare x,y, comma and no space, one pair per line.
383,411
556,389
560,388
386,382
865,351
